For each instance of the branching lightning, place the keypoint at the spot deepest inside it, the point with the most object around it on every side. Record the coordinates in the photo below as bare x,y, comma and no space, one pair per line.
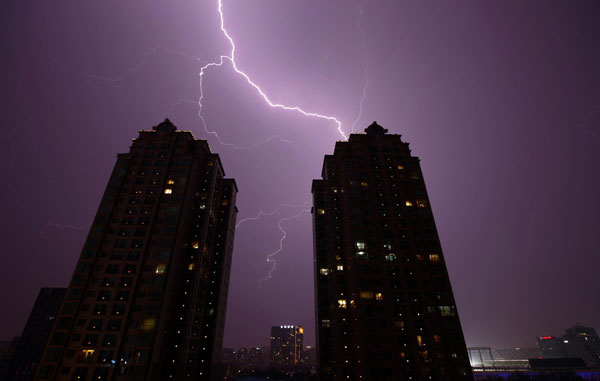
264,214
273,254
52,225
231,59
366,70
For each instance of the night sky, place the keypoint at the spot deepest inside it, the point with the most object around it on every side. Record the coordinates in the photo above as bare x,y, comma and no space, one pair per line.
499,99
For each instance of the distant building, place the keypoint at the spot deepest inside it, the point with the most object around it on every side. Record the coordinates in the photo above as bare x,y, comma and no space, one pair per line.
148,296
30,346
516,353
384,304
286,346
578,341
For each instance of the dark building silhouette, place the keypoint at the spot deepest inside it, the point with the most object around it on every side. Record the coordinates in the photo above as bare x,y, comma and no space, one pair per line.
148,296
28,350
384,304
577,342
287,342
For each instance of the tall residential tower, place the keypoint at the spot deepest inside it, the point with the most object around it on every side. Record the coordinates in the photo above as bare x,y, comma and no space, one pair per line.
384,305
148,296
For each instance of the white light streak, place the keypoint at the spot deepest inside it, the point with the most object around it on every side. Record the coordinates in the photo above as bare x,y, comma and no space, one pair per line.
366,70
263,214
59,227
273,254
231,59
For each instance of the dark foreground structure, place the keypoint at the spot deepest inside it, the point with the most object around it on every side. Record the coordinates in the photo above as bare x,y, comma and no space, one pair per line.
29,348
148,296
384,305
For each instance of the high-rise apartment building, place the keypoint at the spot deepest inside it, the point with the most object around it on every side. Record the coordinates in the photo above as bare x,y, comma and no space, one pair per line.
28,350
384,305
148,296
286,347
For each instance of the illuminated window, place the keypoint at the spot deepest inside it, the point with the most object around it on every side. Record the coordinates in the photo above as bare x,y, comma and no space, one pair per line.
399,324
202,206
378,296
387,246
422,203
160,268
324,271
225,202
342,303
168,191
364,184
391,257
340,267
191,266
171,182
362,255
400,167
195,244
87,354
437,338
434,258
419,341
360,245
148,324
366,294
408,203
321,211
419,257
447,310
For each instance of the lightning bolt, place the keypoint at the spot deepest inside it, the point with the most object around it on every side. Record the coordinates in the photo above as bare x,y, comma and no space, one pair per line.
231,59
366,70
60,227
263,214
270,256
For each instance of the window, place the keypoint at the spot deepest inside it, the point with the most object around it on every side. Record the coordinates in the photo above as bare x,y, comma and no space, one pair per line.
434,258
160,269
320,211
90,340
387,246
324,271
168,191
340,267
447,310
362,255
390,257
190,266
408,203
87,354
341,303
170,181
378,296
366,294
360,245
109,340
148,324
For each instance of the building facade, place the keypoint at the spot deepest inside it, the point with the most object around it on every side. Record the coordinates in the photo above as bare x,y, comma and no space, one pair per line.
577,342
28,350
286,347
384,304
148,296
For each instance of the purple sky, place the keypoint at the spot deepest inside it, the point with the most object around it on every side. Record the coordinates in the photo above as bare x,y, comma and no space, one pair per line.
500,100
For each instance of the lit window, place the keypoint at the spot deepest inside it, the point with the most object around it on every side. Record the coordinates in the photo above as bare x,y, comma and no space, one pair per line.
364,184
399,324
360,245
202,206
225,202
171,182
340,267
437,338
408,203
366,294
148,324
419,257
362,255
342,303
195,244
419,341
378,296
434,258
324,271
160,268
400,167
390,257
387,246
191,266
447,310
168,191
87,354
422,203
321,211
